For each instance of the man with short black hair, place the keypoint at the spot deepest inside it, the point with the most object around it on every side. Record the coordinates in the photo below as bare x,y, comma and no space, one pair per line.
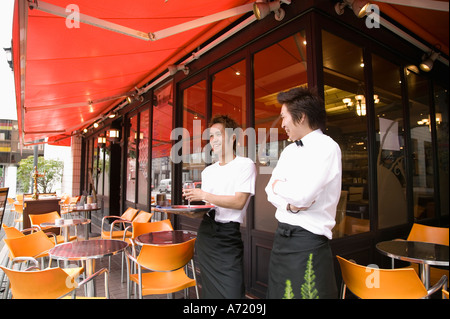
305,188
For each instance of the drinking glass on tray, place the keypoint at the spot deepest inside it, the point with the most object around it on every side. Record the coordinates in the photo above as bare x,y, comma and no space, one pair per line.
188,186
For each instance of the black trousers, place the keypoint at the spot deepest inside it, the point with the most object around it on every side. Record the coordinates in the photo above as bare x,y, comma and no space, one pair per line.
220,259
292,248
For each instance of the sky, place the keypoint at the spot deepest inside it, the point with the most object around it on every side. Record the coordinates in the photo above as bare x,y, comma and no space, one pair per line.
8,100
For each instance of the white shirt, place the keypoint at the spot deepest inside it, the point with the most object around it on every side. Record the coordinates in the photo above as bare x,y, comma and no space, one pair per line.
236,176
311,176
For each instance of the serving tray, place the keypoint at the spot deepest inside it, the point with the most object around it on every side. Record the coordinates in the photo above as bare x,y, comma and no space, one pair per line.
192,211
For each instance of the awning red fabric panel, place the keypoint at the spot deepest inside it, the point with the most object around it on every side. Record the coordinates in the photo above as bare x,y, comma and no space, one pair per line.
60,140
59,69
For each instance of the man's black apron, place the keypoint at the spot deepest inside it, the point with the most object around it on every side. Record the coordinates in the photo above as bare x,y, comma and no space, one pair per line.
291,251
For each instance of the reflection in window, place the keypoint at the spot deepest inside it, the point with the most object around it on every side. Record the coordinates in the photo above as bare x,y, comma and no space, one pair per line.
345,104
442,134
423,177
161,143
391,174
228,92
279,67
194,123
143,157
131,161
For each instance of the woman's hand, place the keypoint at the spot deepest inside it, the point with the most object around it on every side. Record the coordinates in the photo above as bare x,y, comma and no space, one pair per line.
194,194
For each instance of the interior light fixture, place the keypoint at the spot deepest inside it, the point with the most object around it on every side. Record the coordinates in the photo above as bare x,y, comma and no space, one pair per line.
360,103
101,140
428,60
262,9
359,7
114,133
95,125
175,68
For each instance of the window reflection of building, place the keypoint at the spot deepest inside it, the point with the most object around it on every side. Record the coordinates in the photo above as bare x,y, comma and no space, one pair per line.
277,68
162,120
344,93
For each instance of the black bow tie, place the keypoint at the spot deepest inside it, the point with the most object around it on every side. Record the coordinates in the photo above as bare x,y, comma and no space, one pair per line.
299,143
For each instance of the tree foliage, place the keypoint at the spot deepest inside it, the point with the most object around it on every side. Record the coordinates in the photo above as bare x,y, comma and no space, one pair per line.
52,170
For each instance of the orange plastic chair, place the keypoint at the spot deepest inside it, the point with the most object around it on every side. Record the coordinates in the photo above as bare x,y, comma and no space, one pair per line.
166,263
138,229
126,217
37,219
50,283
374,283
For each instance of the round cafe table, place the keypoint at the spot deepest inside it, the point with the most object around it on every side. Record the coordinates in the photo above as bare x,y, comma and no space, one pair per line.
165,237
87,214
422,253
88,250
64,225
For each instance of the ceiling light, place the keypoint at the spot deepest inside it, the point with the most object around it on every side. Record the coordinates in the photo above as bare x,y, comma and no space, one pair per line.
262,9
95,125
175,68
428,60
359,7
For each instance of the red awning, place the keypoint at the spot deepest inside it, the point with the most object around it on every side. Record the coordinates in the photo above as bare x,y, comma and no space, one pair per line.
69,75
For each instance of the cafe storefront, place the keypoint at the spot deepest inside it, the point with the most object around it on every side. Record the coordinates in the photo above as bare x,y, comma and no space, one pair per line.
389,118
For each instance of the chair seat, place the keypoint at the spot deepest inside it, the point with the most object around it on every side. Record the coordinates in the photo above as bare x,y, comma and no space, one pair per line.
163,282
116,234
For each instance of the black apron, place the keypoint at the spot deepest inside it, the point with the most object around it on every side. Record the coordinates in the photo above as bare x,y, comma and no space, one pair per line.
291,251
220,253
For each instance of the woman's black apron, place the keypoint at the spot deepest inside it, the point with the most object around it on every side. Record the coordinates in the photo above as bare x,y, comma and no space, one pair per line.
220,252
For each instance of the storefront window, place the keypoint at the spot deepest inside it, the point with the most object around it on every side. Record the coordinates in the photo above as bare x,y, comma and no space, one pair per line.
194,123
389,124
131,161
345,104
421,144
144,119
161,143
441,106
228,92
279,67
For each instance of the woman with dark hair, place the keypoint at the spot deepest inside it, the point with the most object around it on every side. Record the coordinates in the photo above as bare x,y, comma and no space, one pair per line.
305,188
227,184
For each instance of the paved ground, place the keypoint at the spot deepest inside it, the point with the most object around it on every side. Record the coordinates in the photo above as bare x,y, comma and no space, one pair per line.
117,289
